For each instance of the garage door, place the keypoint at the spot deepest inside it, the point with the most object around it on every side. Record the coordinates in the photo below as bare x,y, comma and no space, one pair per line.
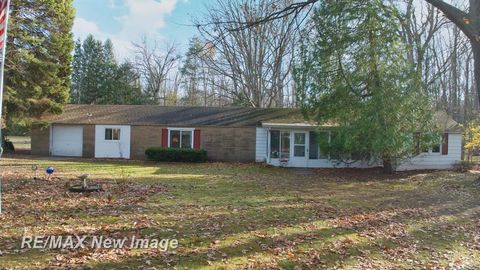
67,141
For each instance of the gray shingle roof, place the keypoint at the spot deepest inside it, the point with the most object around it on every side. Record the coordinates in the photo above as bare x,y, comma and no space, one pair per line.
446,122
172,116
193,116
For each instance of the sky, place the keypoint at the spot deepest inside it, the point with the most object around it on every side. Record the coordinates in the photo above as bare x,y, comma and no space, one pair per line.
127,21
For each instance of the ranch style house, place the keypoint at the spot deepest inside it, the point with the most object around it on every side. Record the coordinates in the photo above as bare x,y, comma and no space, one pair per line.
277,136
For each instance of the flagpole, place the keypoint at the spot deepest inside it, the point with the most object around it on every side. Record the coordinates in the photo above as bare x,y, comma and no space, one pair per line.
2,69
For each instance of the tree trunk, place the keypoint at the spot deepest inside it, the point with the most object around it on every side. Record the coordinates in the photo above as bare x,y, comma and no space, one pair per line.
476,63
387,166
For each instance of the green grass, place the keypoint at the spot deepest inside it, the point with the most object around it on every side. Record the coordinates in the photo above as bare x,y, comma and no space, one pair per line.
237,216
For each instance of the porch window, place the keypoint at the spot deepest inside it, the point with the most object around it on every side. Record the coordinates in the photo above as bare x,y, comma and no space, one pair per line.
112,134
317,138
275,144
279,144
299,144
285,145
180,138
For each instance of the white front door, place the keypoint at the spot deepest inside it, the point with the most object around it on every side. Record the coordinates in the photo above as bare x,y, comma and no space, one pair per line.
299,149
67,141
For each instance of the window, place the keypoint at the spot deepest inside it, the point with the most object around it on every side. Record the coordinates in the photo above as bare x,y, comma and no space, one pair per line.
285,145
279,144
275,144
437,145
337,142
112,134
181,138
299,144
317,139
436,148
424,146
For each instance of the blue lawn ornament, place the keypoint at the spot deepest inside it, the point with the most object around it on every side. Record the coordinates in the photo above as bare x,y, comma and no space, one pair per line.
50,170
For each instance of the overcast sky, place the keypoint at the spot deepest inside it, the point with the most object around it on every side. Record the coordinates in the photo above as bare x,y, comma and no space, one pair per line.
124,21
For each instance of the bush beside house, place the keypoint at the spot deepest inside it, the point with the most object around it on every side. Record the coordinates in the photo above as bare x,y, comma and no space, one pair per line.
159,154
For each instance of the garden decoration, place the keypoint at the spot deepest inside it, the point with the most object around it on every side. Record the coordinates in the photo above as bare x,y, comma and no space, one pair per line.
84,187
50,170
35,171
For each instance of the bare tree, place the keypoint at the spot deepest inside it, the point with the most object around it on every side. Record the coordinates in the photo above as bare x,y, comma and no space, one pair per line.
154,68
440,55
256,61
467,20
469,23
419,25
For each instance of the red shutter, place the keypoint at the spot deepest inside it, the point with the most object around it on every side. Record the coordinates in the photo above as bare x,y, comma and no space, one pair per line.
165,138
445,144
196,139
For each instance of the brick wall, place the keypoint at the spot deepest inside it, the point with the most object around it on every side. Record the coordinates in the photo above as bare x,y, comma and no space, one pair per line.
229,144
40,137
143,137
221,143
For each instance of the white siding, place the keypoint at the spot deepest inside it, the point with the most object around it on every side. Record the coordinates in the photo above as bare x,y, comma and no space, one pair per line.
436,160
261,146
326,163
112,149
424,161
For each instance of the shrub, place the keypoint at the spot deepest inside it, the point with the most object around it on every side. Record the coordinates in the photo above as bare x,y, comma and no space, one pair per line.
175,155
464,166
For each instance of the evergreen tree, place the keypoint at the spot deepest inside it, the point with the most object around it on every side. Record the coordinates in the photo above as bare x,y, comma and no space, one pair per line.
190,72
125,86
353,72
38,66
77,74
93,71
98,78
110,70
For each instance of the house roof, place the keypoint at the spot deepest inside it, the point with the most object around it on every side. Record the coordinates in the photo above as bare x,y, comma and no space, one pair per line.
197,116
173,116
446,122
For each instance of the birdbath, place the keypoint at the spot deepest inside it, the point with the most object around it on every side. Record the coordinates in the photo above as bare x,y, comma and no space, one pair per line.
84,187
84,177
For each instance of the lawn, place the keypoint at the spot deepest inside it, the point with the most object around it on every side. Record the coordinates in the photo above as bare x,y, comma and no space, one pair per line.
239,216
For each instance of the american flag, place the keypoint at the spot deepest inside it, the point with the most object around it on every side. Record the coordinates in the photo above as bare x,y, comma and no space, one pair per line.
4,5
3,21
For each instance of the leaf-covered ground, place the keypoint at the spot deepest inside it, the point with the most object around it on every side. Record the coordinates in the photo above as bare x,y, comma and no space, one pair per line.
236,216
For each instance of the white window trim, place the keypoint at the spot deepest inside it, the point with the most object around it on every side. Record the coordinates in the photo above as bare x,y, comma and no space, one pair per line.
290,132
307,150
182,129
270,143
112,128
